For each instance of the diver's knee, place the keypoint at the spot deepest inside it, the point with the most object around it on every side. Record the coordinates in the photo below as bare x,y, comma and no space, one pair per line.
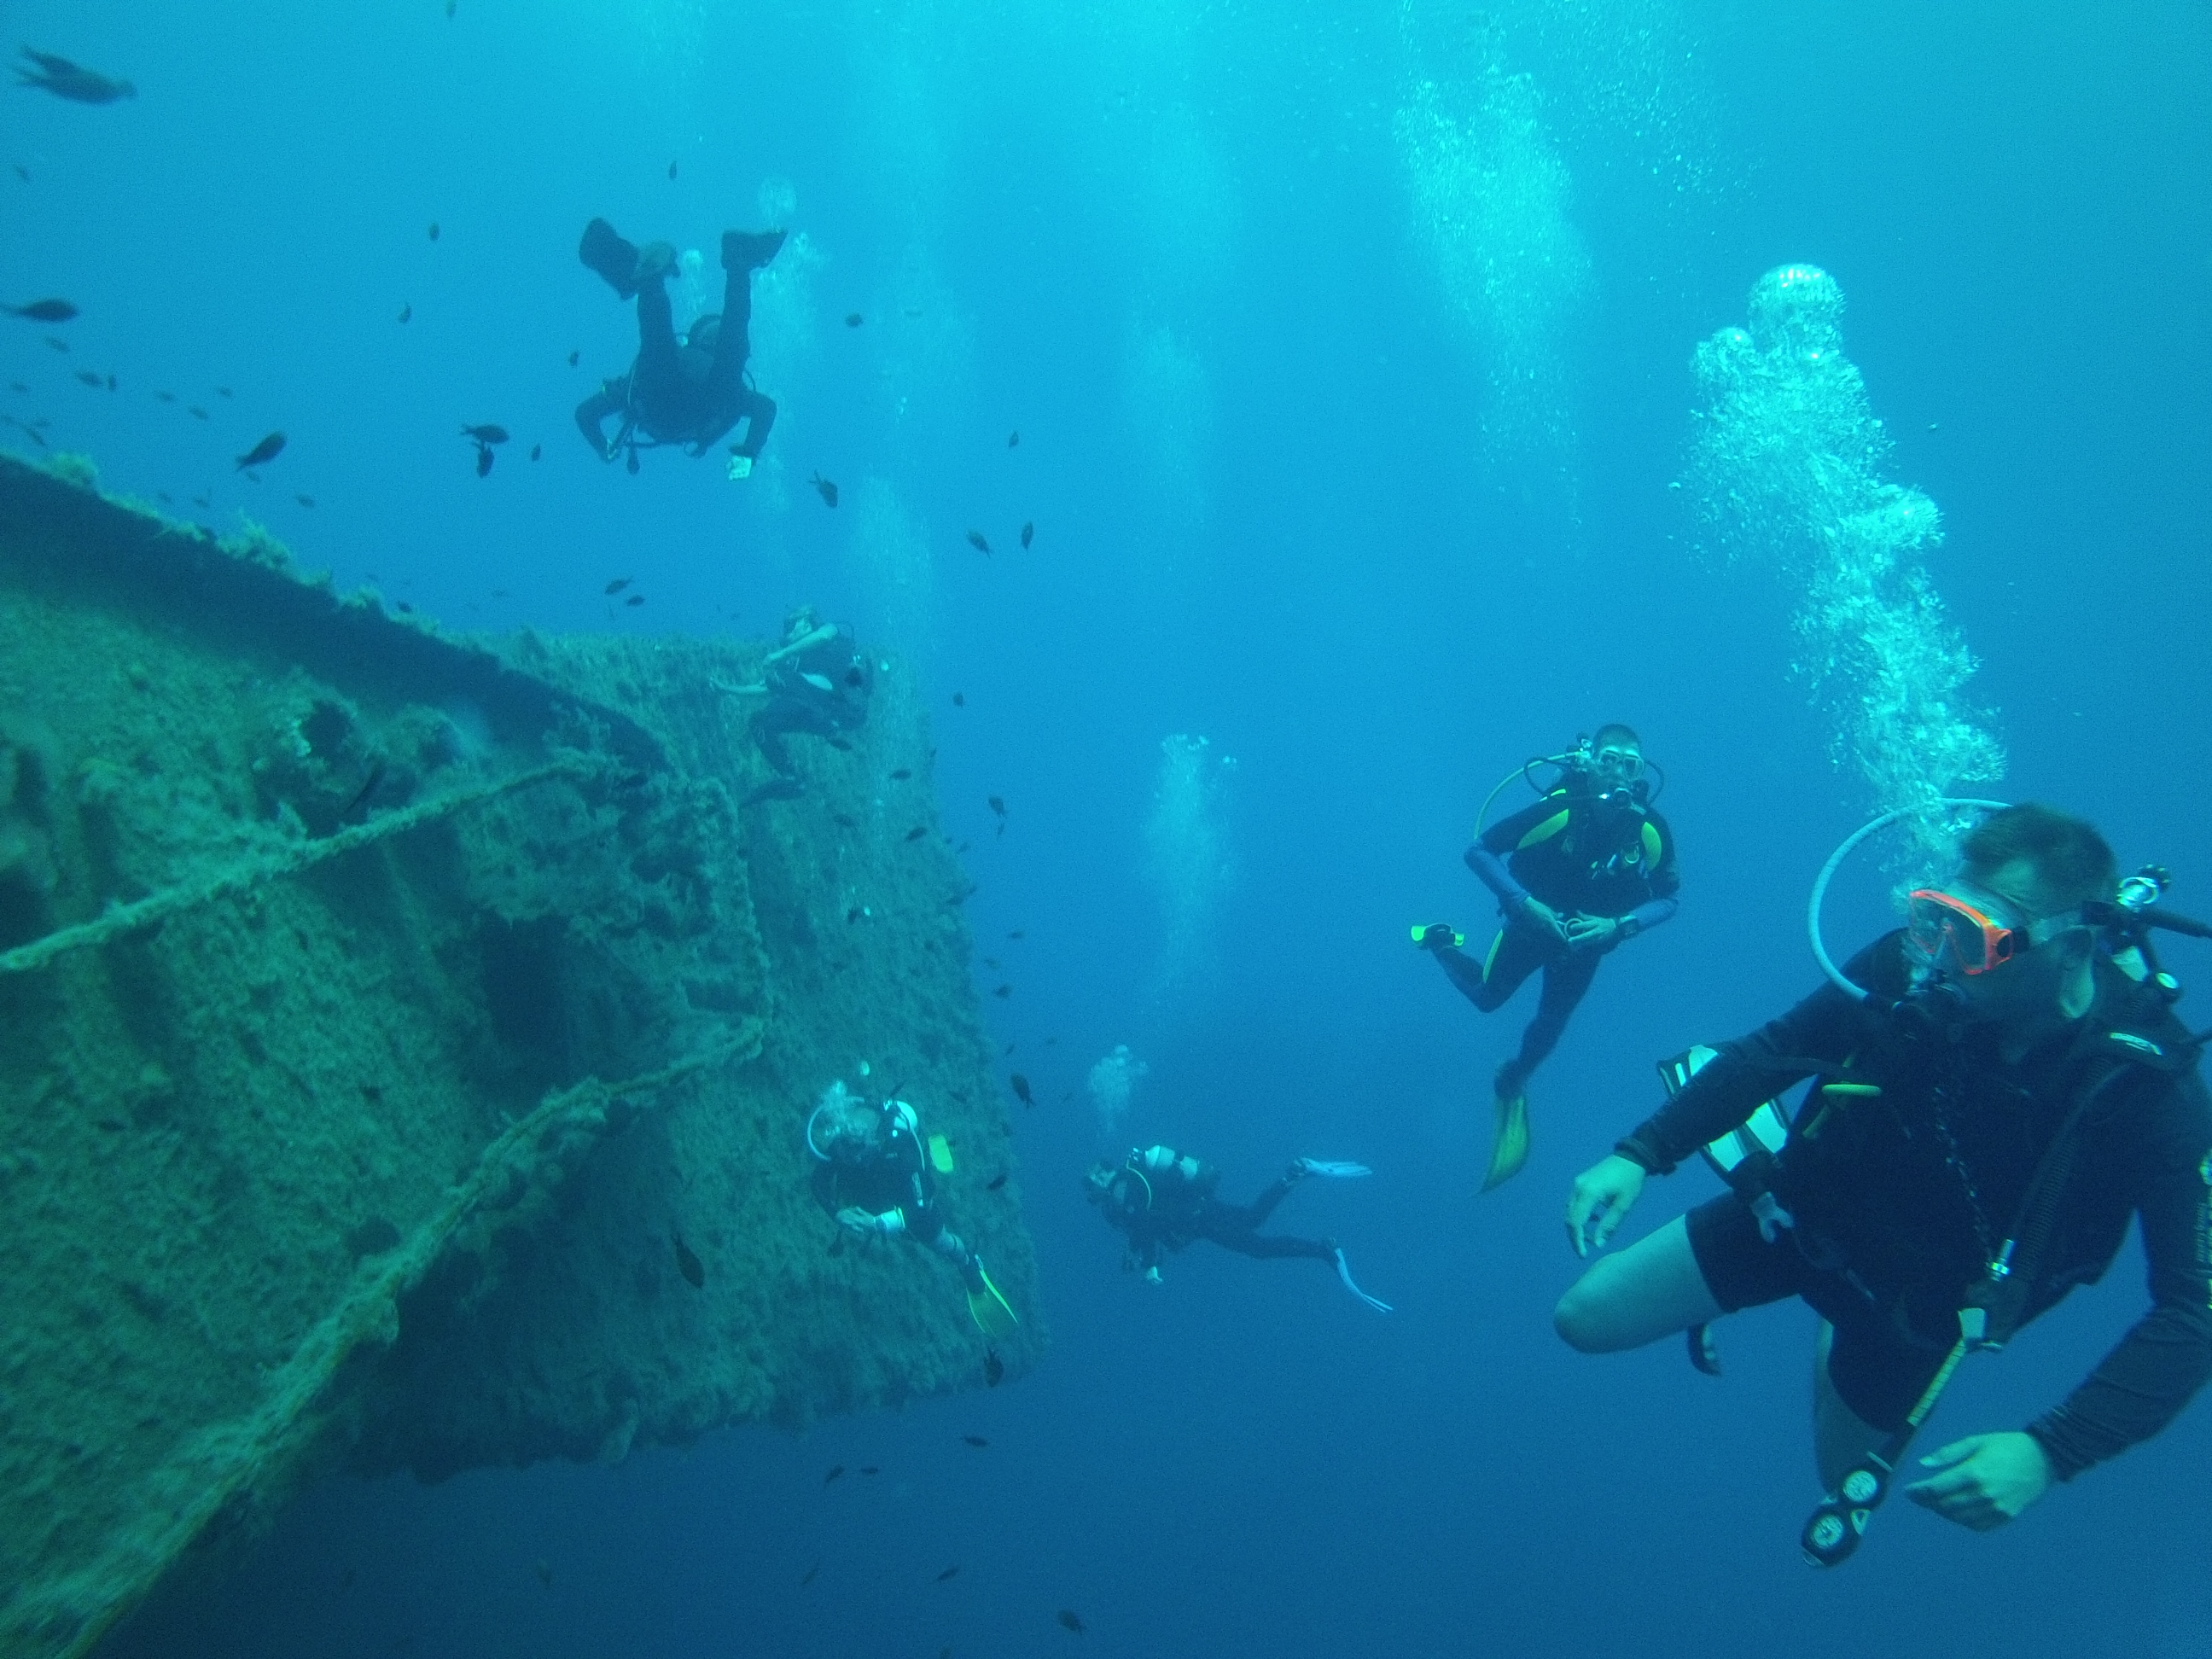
1584,1316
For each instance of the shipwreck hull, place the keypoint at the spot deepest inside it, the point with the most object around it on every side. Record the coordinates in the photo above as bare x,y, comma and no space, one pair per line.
378,1011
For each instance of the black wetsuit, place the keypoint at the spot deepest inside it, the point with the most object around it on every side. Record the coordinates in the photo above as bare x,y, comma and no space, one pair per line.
680,394
823,690
894,1175
1901,1199
1162,1201
1574,851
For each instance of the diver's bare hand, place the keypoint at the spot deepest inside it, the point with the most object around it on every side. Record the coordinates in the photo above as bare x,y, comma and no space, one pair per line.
1543,918
1589,932
1985,1480
1601,1200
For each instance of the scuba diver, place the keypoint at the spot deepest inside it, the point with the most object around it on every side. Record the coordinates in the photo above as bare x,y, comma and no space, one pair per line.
817,681
1162,1200
1997,1088
690,393
877,1174
1577,874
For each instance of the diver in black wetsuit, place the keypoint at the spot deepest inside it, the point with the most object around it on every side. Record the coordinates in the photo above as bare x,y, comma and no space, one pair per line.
1983,1127
690,392
1590,866
816,682
1162,1200
877,1175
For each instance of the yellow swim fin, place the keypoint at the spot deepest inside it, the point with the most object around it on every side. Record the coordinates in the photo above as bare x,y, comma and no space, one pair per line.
1511,1150
989,1311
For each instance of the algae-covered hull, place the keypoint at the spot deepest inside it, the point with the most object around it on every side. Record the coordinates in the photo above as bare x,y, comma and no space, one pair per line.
393,1030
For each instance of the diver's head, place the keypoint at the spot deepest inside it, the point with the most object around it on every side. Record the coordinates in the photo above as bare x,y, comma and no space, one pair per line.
799,623
2007,937
705,330
844,1128
1614,756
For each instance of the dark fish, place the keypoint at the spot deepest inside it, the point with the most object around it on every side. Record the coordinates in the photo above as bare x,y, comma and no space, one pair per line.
672,169
434,230
403,608
361,795
975,540
994,1369
267,450
88,377
165,397
855,678
1003,992
1029,534
222,392
486,433
17,386
1013,441
484,458
66,79
544,1571
536,450
994,1184
960,700
406,311
916,833
55,342
695,1274
616,585
950,1573
807,1578
1017,933
975,1440
1068,1620
572,358
43,310
871,1468
195,412
499,592
826,490
992,963
847,819
452,6
1021,1087
853,318
852,914
635,600
22,173
305,501
998,805
835,1470
901,774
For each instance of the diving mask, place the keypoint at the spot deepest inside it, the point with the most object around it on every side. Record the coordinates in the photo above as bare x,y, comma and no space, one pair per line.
1951,934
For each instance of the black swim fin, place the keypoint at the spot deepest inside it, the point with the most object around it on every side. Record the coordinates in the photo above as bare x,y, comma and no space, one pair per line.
605,250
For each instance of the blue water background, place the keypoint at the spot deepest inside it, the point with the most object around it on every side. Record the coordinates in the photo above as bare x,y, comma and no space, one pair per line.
1316,564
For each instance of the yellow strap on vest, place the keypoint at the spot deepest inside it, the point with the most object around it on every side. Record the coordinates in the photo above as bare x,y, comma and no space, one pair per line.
1544,831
